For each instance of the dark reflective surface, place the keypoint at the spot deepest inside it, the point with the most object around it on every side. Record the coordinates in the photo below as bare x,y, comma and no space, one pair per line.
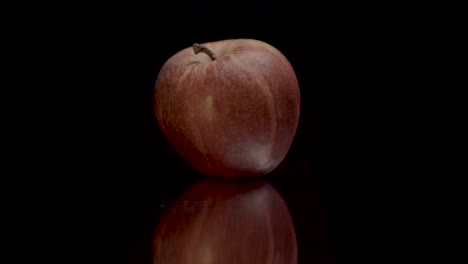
226,222
275,219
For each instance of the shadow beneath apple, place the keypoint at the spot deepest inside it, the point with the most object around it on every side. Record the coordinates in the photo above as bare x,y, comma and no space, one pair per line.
217,221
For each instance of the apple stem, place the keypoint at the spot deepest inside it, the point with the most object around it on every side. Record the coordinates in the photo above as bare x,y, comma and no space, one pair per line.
197,48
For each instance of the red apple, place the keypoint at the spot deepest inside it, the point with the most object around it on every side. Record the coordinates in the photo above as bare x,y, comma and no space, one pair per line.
230,108
226,222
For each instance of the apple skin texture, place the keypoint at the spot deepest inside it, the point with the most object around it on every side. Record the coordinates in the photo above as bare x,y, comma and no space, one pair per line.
232,117
230,222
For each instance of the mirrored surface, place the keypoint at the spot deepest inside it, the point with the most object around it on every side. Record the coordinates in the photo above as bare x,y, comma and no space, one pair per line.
226,222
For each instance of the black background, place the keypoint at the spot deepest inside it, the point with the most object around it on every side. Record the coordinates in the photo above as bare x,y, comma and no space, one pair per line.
336,177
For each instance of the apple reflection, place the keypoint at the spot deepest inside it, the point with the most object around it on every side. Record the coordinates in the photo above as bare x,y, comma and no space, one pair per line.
226,222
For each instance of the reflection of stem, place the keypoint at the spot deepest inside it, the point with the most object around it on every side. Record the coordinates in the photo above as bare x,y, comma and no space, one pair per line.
198,230
197,48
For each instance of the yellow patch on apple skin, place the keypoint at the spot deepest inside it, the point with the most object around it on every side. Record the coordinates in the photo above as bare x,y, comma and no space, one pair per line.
208,108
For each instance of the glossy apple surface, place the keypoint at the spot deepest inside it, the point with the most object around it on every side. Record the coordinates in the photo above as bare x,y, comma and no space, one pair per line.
230,110
226,222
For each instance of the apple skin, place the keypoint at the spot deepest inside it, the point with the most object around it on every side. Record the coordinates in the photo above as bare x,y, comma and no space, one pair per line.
226,222
235,116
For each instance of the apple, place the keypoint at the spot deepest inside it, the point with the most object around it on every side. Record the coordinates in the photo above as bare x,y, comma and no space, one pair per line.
226,222
230,108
